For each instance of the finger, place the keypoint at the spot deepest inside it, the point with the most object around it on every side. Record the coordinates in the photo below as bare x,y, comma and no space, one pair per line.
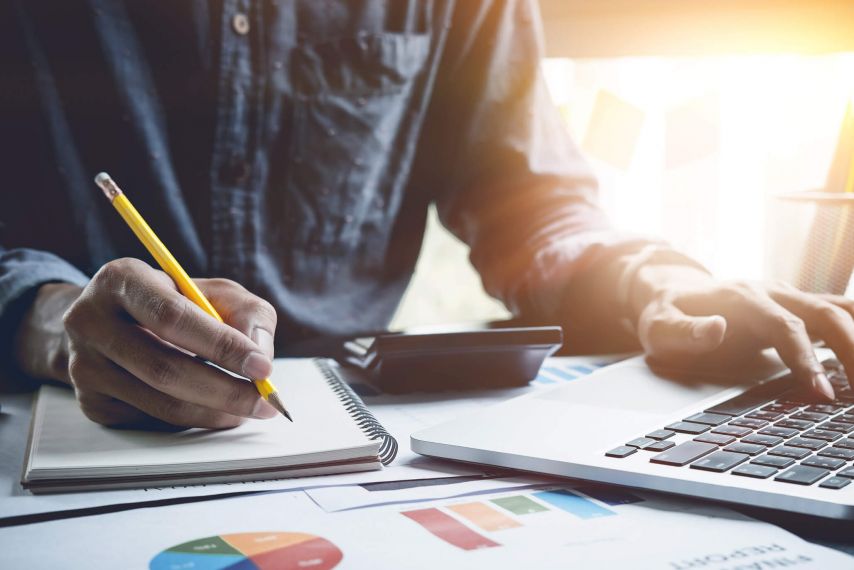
827,320
96,378
181,376
666,332
248,313
150,297
787,333
840,301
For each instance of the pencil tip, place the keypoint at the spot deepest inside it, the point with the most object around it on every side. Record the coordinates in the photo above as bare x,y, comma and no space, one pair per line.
274,401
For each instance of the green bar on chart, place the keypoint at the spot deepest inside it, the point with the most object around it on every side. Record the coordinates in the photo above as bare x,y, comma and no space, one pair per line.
520,505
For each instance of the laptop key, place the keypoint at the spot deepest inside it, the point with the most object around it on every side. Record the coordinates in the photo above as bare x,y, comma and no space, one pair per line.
831,463
755,471
847,443
660,434
751,423
622,451
688,427
780,407
823,434
809,416
748,448
640,442
845,418
753,398
838,452
766,440
776,461
720,461
793,452
802,475
684,453
834,483
765,415
794,424
848,472
732,430
824,409
708,419
837,426
814,444
779,431
659,445
716,438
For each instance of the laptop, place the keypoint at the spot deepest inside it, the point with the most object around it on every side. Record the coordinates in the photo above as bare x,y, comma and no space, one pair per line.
751,437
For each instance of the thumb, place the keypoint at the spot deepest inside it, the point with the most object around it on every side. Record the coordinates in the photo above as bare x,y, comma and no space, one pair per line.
665,331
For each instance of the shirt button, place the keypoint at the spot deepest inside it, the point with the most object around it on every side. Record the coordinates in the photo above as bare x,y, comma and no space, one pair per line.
240,24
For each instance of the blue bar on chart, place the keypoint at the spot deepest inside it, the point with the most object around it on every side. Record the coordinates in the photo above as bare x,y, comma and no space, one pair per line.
573,504
583,369
561,373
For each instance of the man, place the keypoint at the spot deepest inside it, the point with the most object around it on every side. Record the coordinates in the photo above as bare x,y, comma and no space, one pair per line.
293,147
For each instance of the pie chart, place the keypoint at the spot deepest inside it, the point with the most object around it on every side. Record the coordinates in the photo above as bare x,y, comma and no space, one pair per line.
251,551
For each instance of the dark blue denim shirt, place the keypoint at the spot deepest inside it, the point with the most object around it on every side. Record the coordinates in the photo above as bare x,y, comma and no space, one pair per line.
291,145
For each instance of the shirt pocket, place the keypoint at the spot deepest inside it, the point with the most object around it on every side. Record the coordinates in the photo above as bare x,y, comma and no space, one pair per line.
351,99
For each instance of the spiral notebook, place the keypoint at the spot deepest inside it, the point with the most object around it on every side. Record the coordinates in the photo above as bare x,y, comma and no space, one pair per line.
333,432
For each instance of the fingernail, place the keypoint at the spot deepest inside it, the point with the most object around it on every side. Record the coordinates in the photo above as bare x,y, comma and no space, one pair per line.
263,410
263,339
256,366
823,385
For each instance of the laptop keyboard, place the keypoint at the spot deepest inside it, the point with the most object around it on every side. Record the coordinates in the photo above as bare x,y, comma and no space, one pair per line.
771,431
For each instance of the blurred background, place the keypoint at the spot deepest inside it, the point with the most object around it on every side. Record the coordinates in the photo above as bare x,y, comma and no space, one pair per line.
696,117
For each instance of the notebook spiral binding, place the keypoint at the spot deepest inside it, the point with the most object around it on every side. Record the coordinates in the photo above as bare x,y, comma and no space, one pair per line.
360,412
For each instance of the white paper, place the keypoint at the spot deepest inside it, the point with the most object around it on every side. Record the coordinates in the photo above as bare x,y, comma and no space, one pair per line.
342,498
401,415
653,534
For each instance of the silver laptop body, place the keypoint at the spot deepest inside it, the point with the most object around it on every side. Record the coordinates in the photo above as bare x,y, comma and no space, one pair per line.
569,430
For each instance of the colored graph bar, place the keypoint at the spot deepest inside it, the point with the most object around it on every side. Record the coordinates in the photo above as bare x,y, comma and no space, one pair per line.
543,379
519,505
449,529
611,495
484,516
583,369
573,504
561,373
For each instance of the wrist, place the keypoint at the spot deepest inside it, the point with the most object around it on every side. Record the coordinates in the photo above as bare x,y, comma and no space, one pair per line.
649,274
41,343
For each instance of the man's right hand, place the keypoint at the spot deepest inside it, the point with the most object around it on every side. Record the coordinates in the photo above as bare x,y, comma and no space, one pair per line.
130,338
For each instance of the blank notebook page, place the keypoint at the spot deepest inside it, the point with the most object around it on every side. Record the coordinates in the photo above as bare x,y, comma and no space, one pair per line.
63,438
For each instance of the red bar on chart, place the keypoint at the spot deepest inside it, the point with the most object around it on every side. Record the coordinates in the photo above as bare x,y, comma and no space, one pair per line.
449,529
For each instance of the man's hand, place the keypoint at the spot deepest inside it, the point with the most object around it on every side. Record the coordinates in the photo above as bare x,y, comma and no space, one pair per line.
685,316
131,338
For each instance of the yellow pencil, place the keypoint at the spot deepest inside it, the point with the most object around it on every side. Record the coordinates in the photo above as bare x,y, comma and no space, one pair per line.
172,268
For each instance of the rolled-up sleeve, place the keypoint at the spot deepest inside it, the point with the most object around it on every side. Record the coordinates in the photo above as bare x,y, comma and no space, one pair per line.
513,184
